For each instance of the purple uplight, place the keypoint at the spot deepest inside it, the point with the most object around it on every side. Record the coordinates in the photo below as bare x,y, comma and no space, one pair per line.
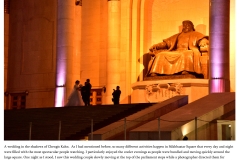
217,56
216,70
59,97
219,29
60,84
217,85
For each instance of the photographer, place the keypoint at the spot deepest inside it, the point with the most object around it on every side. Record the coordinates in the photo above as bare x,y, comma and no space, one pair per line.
116,95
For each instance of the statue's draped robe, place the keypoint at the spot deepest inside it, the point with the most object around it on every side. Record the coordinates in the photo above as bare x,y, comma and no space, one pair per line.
176,60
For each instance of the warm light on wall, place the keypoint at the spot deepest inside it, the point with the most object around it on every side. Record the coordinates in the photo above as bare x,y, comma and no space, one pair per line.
26,92
187,128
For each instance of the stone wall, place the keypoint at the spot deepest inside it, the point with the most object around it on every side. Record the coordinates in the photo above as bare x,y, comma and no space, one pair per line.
32,50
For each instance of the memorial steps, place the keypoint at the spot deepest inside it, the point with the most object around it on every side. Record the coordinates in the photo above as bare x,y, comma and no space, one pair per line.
125,121
63,123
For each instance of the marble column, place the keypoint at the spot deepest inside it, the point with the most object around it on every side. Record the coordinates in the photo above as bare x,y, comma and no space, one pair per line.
113,49
66,70
219,24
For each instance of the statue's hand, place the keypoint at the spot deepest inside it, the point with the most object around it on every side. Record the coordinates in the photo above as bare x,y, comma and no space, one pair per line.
153,48
203,44
156,47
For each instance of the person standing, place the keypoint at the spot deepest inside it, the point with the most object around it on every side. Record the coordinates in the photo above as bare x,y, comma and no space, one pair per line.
75,98
83,91
116,95
88,88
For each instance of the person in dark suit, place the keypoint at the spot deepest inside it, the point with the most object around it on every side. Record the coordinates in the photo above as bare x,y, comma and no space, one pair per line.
116,95
88,88
83,92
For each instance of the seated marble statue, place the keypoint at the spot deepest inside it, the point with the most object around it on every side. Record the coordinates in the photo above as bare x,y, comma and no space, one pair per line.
178,54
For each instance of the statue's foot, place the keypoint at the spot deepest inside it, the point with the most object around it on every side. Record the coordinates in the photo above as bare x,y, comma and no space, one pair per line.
184,72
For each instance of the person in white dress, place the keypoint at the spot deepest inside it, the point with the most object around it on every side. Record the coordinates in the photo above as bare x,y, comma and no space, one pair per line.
75,98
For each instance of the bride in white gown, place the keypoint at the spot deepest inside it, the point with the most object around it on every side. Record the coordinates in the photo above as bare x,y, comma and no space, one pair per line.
75,98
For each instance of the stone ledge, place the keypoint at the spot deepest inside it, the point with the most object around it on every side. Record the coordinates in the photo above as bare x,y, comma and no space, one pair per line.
163,83
170,77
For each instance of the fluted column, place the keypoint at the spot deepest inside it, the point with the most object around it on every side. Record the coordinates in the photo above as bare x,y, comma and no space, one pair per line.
67,55
113,50
219,46
78,39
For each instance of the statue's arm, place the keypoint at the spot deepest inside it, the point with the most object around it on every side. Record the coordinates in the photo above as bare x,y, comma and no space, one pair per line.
157,47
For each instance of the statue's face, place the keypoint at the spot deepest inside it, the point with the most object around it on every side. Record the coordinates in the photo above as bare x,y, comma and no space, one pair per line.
187,27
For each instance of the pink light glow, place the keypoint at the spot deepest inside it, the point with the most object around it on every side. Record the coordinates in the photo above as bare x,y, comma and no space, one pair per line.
217,57
59,97
217,85
216,70
61,78
219,45
60,84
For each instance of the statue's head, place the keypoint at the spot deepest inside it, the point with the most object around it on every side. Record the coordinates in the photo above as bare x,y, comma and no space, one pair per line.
187,26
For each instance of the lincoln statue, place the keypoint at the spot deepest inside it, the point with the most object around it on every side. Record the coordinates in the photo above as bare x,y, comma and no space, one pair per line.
179,54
